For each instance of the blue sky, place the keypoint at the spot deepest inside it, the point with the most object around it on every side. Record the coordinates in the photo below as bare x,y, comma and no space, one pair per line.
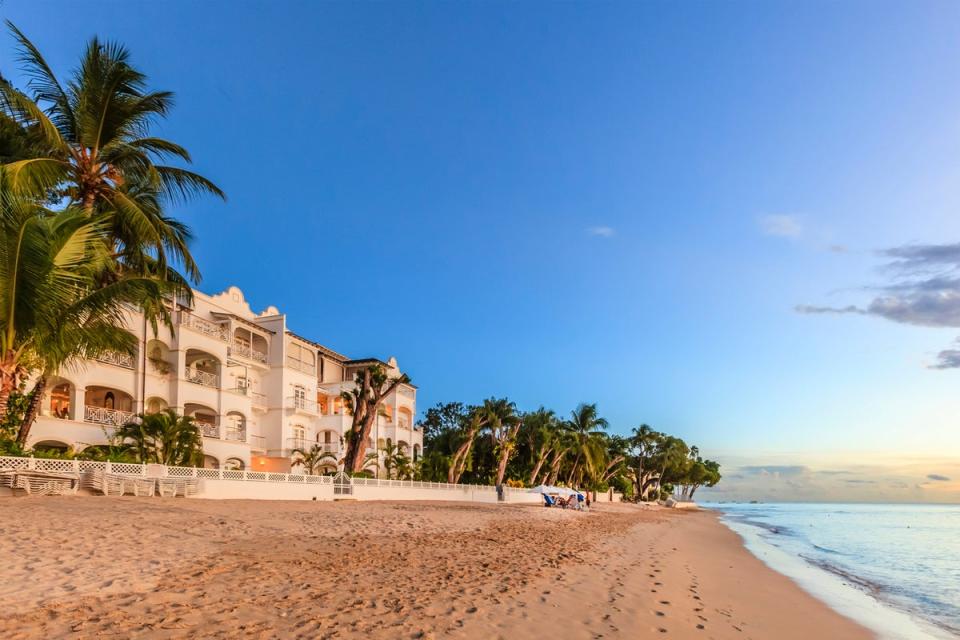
564,202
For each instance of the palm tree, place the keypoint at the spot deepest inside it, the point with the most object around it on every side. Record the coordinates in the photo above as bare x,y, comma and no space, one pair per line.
461,457
50,312
313,459
99,154
584,425
163,438
542,431
503,423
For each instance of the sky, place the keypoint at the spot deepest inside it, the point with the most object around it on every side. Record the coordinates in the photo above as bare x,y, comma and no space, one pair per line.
731,221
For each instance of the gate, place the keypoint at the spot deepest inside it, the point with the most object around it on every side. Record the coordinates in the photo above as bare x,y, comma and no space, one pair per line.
342,485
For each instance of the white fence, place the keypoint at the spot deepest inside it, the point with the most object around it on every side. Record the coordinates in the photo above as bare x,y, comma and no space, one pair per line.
236,484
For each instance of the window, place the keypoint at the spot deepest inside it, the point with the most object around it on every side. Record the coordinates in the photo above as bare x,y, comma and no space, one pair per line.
299,434
300,358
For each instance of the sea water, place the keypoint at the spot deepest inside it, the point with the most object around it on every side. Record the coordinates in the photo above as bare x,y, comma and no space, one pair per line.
893,568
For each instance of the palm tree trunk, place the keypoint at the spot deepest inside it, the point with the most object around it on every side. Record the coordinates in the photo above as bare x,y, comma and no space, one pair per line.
536,468
32,409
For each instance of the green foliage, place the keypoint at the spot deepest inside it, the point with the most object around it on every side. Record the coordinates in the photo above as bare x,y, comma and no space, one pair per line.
16,408
163,438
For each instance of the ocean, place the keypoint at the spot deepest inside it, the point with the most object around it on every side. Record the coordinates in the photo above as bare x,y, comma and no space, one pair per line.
893,568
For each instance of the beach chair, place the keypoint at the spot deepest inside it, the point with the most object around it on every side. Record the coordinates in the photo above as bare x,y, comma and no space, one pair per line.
191,486
7,477
143,486
42,485
548,500
114,484
167,487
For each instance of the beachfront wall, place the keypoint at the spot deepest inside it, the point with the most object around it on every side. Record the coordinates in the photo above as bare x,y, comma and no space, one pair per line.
224,484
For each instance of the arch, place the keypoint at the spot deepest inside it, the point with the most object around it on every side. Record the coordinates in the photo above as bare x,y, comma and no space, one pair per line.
416,452
59,400
55,445
107,405
156,404
404,417
233,464
236,426
210,462
202,368
158,354
205,418
402,447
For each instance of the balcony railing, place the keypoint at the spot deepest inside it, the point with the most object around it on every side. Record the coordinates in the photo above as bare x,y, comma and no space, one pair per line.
207,328
258,442
305,367
257,399
244,350
237,435
305,405
209,430
117,359
103,415
204,378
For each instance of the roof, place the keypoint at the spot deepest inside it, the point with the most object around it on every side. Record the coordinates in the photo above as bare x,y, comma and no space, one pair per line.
330,352
242,320
362,361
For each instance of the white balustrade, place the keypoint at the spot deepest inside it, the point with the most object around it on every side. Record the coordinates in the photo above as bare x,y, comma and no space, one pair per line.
244,350
124,360
302,403
204,378
206,327
103,415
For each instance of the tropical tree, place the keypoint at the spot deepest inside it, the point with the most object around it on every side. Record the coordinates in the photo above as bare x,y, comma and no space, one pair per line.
461,459
541,430
313,459
99,154
163,438
502,423
584,425
372,385
50,312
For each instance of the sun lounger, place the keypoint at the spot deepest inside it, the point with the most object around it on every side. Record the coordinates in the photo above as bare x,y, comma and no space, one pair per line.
143,486
168,487
39,483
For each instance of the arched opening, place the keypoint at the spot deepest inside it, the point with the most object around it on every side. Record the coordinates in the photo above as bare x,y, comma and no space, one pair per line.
416,452
202,368
236,426
209,462
158,355
248,344
233,464
204,417
156,405
404,417
52,445
57,404
105,405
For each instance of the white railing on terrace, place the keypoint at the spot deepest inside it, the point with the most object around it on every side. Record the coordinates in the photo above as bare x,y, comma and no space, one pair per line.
237,435
153,470
103,415
209,430
246,351
204,378
207,328
258,442
124,360
303,404
305,367
307,445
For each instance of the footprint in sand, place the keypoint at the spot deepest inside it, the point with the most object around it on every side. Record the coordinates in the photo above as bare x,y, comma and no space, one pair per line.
666,602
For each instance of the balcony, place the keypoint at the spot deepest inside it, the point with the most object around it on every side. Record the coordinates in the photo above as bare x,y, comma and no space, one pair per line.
235,435
208,429
103,415
258,442
305,367
204,378
117,359
244,350
207,328
303,405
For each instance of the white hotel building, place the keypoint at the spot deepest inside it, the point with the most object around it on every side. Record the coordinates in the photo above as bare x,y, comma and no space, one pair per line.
257,390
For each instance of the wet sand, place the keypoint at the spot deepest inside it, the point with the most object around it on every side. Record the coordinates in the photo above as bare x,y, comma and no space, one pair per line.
97,567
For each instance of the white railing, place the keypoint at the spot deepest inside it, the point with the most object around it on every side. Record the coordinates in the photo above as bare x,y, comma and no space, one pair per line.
246,351
258,442
154,470
209,430
303,404
103,415
257,399
305,367
124,360
207,328
204,378
237,435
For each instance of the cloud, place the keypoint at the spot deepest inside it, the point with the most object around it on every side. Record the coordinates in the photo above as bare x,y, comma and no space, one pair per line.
924,291
601,231
937,477
775,469
780,225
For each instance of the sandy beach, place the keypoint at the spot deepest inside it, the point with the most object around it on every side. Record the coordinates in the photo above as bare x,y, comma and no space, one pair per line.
150,568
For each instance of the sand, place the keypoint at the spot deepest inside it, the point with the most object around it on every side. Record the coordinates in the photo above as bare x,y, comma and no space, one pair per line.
97,567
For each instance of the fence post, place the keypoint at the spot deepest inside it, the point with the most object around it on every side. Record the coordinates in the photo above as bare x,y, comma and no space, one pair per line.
109,467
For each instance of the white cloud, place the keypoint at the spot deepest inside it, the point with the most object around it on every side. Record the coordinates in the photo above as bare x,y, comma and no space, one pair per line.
601,232
780,225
